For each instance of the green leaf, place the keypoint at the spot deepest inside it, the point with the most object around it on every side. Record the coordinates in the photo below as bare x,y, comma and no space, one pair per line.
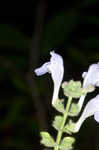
57,122
74,110
59,106
69,128
66,143
47,140
72,89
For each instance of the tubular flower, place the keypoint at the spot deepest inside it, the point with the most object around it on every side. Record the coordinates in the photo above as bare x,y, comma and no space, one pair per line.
56,69
92,108
90,78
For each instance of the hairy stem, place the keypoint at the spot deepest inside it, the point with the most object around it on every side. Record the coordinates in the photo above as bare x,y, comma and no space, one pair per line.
59,135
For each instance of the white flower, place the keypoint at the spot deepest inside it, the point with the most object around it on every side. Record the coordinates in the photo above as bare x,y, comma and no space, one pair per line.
90,78
56,68
92,108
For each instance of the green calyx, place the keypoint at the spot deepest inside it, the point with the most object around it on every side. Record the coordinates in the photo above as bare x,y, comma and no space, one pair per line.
72,89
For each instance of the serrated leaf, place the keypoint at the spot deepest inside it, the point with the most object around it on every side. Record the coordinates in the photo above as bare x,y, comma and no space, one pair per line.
59,106
72,89
66,143
47,140
57,122
74,110
69,128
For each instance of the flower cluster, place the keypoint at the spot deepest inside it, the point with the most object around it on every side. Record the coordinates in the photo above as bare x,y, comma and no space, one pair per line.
90,81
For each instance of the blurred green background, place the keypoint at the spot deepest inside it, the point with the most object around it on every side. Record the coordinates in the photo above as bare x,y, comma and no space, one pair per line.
28,32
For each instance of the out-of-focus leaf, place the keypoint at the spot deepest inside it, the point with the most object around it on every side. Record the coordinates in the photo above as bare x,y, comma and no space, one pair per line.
94,56
91,19
89,2
58,29
10,37
19,83
77,55
90,42
14,111
15,143
33,126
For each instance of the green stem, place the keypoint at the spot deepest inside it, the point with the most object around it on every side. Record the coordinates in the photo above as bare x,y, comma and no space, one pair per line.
59,135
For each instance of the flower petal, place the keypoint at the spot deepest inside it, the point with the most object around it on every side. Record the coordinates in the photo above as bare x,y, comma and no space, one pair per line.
56,58
42,70
96,116
92,76
56,68
92,108
84,74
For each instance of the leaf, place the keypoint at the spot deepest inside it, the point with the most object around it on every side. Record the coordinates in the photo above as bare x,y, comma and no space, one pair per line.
47,140
72,89
66,144
57,122
59,106
74,110
69,128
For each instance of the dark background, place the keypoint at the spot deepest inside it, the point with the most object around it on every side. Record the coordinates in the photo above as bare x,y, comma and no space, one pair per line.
29,30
